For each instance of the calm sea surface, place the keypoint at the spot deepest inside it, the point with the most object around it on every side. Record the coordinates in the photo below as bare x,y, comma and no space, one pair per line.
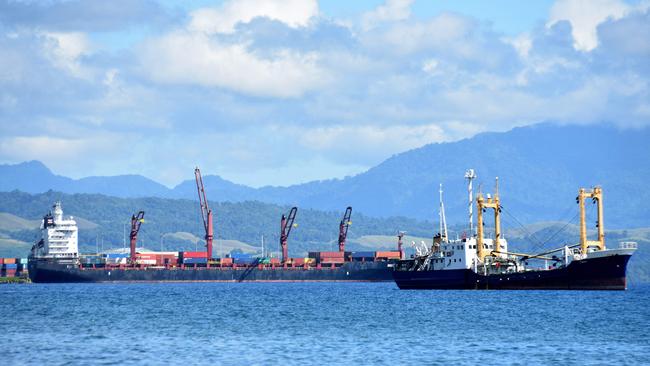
318,323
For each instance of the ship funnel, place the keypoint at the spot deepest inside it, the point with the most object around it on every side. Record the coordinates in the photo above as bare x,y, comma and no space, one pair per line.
57,211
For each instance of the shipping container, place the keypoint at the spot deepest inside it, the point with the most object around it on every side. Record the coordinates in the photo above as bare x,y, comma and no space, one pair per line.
363,254
10,266
10,260
298,261
115,255
275,261
2,261
240,256
148,262
203,260
246,261
389,255
193,254
116,261
331,260
332,255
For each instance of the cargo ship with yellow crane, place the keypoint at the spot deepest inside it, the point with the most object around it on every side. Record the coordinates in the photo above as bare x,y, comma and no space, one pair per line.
478,262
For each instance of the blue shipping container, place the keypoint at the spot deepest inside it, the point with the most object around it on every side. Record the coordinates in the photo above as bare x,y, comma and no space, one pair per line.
116,255
244,260
195,260
363,255
240,256
11,266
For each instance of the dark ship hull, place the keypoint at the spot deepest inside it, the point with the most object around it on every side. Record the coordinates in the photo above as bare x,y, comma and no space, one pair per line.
44,271
602,273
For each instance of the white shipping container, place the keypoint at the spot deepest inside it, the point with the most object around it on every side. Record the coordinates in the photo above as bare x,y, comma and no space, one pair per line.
145,261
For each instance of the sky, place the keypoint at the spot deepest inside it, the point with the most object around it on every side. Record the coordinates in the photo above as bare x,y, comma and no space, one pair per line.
279,92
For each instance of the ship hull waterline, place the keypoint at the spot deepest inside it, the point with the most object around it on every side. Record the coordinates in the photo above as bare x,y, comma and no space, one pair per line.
604,273
46,272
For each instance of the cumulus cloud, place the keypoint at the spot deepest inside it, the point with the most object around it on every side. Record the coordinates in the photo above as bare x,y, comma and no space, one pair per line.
193,55
294,13
65,49
586,15
391,11
192,58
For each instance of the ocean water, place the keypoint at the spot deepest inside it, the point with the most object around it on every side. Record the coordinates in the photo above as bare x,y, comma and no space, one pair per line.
318,323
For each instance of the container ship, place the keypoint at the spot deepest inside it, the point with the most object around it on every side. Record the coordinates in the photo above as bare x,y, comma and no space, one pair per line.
56,258
477,262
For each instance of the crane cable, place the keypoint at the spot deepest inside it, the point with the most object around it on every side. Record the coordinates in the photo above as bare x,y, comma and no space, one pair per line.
530,235
562,229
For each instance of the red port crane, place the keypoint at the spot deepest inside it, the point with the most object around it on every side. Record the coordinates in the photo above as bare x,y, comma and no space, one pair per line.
206,213
136,221
343,228
286,223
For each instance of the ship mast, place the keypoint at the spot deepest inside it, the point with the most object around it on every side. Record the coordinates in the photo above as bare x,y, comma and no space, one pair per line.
470,175
443,219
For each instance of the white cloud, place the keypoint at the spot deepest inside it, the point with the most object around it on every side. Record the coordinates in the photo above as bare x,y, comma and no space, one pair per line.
391,11
65,49
585,16
294,13
193,58
51,149
444,32
521,43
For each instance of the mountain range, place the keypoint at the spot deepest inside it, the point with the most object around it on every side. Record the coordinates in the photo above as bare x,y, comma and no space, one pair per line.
540,168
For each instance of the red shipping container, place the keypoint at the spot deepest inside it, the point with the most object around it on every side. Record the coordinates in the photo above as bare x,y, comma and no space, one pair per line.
298,261
275,261
10,273
195,254
162,259
2,260
390,254
332,254
226,260
10,260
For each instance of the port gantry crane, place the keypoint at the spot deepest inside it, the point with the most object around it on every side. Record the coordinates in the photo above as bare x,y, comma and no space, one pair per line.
206,214
136,221
343,228
286,223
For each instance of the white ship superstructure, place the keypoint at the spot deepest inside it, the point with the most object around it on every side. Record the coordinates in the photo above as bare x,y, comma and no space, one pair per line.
59,237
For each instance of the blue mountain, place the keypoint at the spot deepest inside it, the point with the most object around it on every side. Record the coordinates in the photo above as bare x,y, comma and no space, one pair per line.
540,168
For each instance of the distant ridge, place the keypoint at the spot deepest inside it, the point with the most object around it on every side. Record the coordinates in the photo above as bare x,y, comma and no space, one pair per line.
34,177
540,166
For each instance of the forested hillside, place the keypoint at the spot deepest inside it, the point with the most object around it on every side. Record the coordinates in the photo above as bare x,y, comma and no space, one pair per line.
165,218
